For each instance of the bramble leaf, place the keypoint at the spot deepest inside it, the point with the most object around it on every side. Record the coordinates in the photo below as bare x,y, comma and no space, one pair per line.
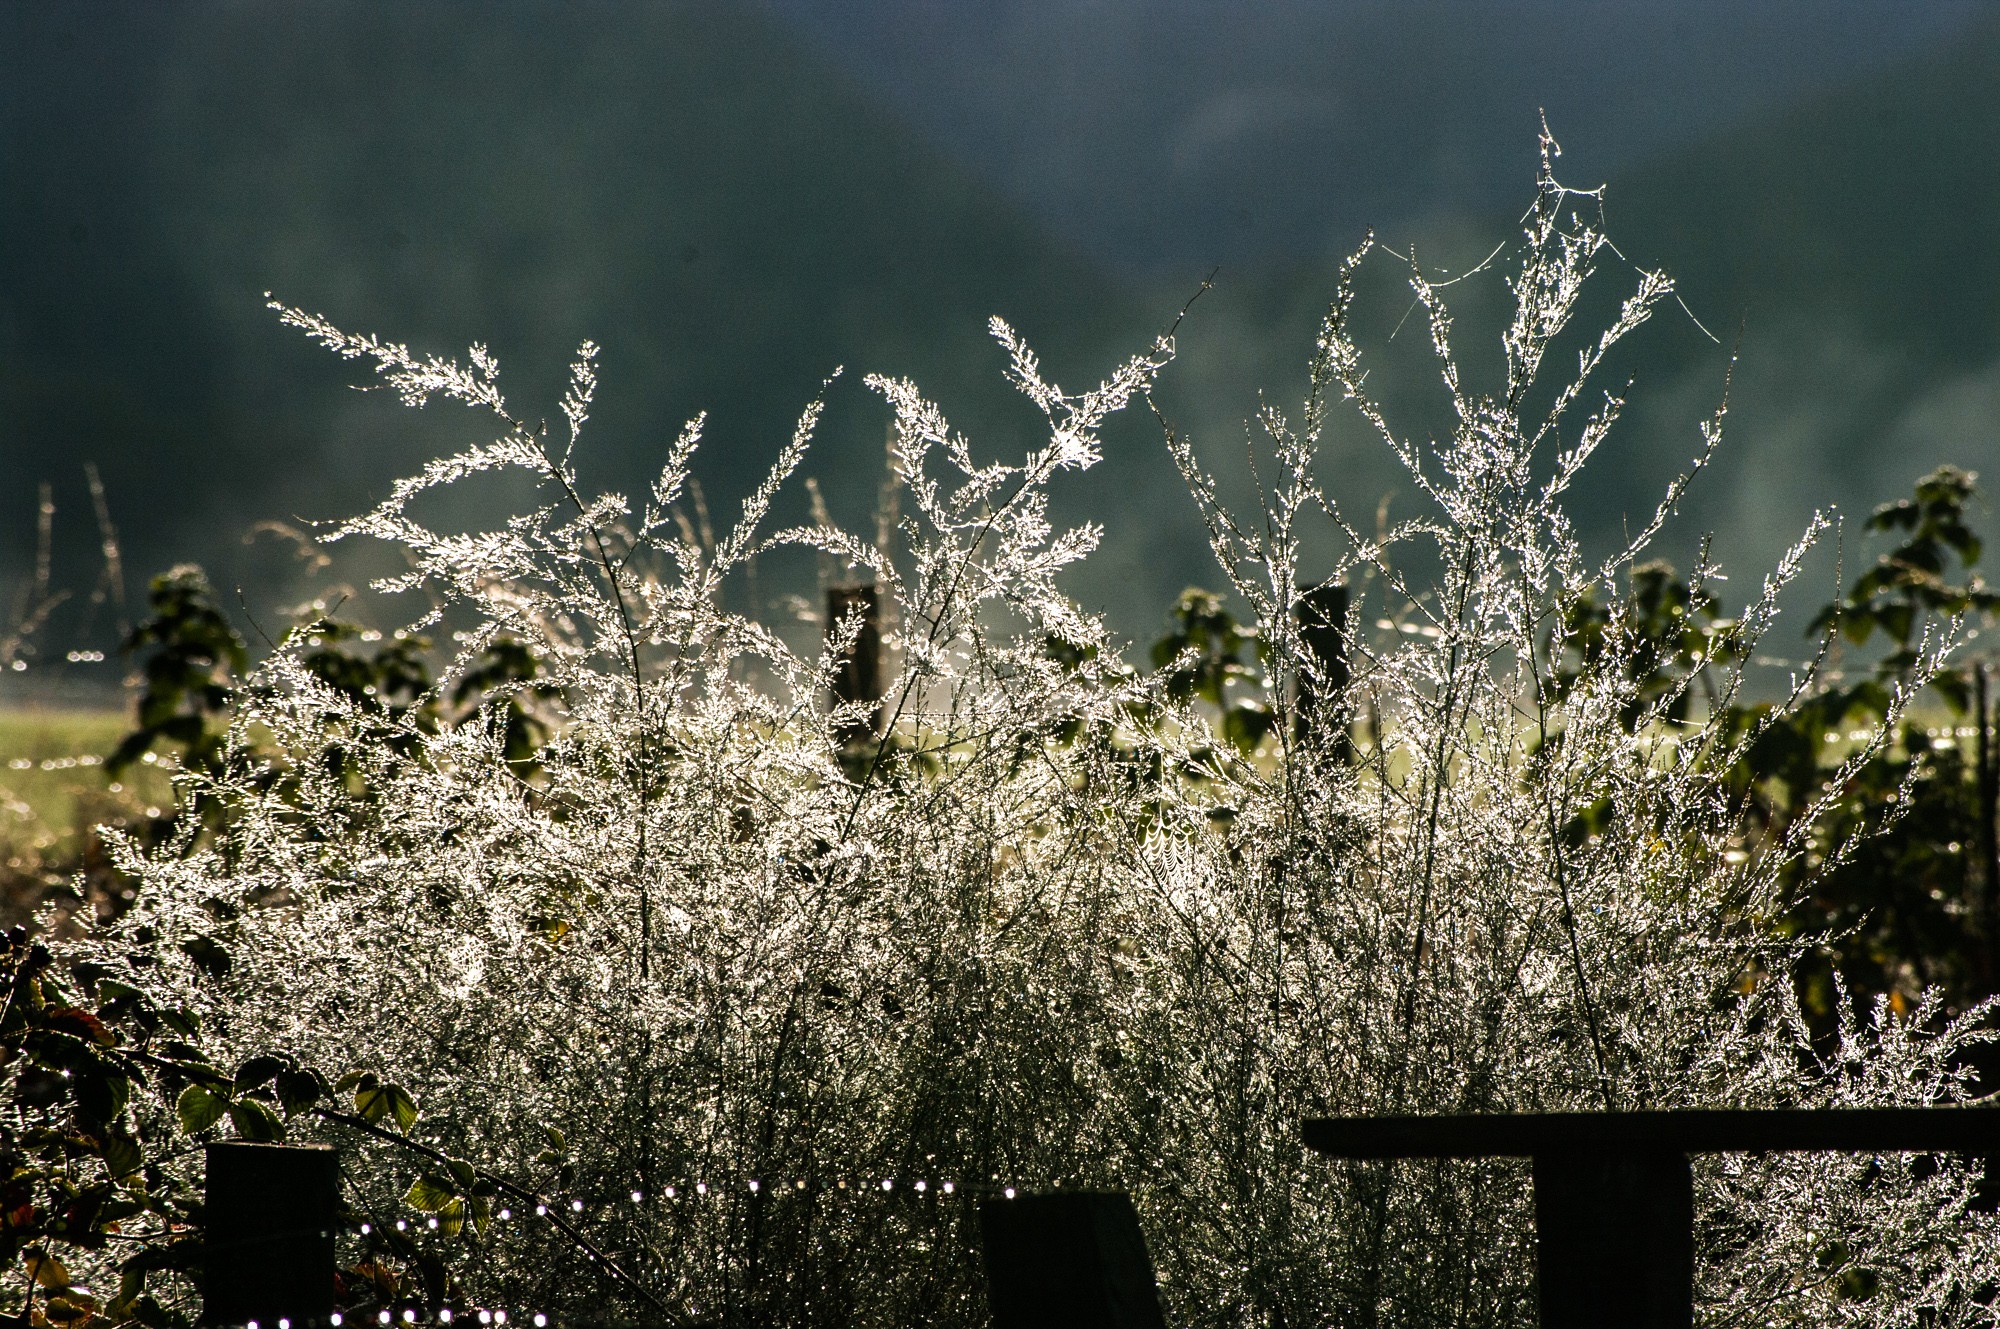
430,1193
375,1101
259,1071
199,1109
255,1122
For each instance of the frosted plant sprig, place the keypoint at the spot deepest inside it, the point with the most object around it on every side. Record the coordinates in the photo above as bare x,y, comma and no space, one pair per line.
578,395
415,379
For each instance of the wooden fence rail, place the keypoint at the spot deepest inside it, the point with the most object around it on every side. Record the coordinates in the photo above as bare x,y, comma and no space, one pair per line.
1614,1196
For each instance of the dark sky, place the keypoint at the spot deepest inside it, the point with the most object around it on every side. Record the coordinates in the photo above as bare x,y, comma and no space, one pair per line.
735,196
1180,134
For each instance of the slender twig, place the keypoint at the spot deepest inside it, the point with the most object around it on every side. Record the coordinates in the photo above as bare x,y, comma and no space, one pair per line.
544,1207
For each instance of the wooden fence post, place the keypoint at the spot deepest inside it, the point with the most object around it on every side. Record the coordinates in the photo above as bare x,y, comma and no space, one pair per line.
1614,1239
859,675
1071,1260
271,1213
1321,612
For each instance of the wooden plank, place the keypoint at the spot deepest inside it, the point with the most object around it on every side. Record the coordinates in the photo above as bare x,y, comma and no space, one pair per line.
1957,1130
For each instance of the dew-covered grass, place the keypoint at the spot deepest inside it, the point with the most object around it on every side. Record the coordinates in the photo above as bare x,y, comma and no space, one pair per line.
54,788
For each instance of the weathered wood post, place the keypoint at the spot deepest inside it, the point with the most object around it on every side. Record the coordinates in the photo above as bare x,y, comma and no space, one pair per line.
1321,612
859,675
1615,1230
271,1212
1071,1260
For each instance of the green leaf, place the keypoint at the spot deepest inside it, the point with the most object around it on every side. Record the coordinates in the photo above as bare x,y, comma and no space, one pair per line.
554,1137
462,1172
62,1052
299,1090
80,1024
375,1101
430,1193
199,1109
71,1307
117,1211
259,1071
255,1122
122,1156
131,1286
403,1107
45,1268
372,1103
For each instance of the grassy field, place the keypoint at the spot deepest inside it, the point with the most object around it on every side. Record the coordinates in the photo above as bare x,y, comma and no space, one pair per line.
53,789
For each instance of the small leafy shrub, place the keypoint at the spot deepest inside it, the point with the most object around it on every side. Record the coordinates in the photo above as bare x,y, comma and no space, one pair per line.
754,1011
192,652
